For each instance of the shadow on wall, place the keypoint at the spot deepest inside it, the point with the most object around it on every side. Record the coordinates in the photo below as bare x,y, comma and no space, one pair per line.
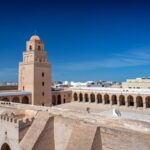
46,139
85,137
97,142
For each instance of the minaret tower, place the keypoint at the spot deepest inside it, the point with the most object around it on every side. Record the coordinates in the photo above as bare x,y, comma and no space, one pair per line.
34,72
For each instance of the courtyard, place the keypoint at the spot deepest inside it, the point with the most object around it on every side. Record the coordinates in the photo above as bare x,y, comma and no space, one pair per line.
105,110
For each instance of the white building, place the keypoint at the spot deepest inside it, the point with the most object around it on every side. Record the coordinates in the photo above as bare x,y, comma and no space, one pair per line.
140,83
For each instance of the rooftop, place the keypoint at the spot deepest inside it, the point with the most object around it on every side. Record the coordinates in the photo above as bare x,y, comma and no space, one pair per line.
112,90
97,115
14,93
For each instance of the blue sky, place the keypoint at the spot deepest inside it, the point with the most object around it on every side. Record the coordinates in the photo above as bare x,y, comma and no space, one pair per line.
85,40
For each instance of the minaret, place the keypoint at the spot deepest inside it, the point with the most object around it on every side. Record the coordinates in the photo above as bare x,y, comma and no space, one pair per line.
34,72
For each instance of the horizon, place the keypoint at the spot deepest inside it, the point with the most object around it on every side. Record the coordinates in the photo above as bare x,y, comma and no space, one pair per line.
92,40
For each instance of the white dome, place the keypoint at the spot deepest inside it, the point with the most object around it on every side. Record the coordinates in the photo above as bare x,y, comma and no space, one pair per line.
34,37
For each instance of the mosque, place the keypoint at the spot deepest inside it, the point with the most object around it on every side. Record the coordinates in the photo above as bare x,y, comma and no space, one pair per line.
34,85
32,118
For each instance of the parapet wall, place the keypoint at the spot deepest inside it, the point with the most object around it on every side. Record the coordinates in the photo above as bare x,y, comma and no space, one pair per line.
72,133
113,139
20,123
84,135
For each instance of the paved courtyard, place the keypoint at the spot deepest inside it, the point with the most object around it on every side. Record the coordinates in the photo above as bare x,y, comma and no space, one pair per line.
108,110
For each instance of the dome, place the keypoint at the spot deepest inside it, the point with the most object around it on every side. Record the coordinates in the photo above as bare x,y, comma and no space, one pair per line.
34,37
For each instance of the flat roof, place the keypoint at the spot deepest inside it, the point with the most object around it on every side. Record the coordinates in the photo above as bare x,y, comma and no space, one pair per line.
111,90
14,93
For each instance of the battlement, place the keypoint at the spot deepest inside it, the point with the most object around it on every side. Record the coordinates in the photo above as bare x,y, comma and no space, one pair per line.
22,123
8,119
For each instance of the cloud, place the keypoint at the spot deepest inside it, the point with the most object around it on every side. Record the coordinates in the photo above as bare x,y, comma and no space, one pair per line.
132,58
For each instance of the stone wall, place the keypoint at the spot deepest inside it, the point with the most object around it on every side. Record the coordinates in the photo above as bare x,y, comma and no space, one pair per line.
63,133
9,133
113,139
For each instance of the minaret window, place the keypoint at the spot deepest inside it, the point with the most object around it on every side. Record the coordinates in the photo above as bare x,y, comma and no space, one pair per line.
43,83
30,47
42,74
39,48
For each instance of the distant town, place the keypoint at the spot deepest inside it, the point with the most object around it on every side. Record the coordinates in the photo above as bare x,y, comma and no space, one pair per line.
137,83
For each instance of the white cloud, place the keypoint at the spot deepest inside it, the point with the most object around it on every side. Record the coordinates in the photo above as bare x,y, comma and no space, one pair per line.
139,57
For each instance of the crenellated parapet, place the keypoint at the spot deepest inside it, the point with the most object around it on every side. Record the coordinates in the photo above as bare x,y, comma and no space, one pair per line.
21,123
8,119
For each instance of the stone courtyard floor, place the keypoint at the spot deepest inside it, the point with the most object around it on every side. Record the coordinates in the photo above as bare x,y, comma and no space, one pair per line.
105,110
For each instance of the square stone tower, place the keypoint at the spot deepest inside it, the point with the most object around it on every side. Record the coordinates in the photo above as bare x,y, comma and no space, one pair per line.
34,72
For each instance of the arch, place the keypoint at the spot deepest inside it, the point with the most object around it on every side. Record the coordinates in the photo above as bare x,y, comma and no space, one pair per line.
43,74
130,100
39,47
5,146
30,47
59,99
114,99
92,97
121,100
86,97
139,101
147,101
54,102
6,99
16,99
75,96
80,97
106,99
25,100
99,98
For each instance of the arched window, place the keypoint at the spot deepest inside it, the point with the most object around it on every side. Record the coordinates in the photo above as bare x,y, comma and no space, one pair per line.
5,99
42,74
39,48
58,99
106,99
92,96
139,101
5,146
15,99
80,97
30,48
86,97
25,100
147,100
114,99
75,97
121,100
99,98
130,100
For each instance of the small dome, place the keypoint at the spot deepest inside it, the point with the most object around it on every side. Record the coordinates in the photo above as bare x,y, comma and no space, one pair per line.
34,37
